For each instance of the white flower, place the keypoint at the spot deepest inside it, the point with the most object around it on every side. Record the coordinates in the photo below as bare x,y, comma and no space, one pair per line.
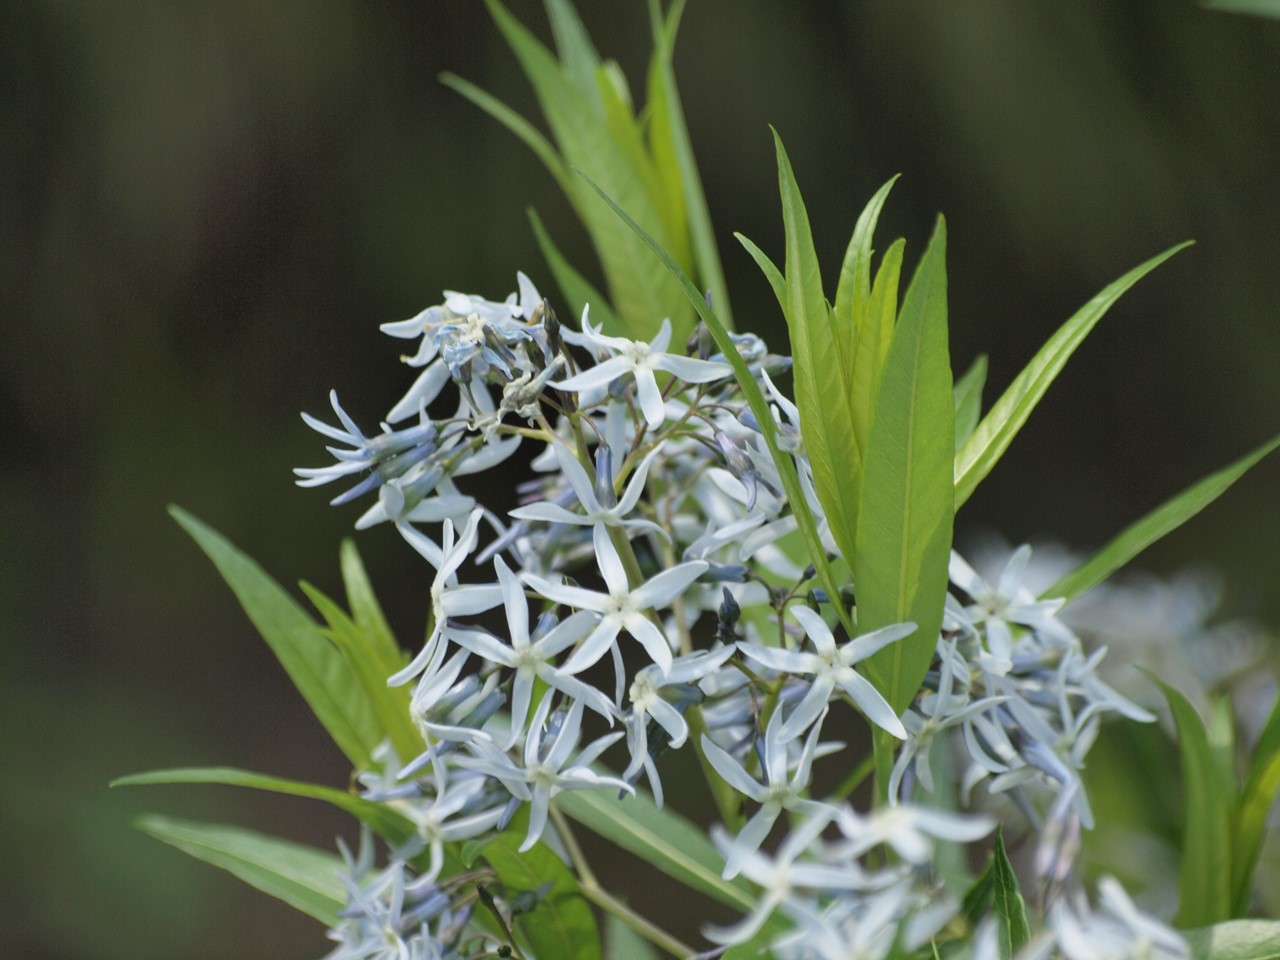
910,830
832,667
621,608
640,360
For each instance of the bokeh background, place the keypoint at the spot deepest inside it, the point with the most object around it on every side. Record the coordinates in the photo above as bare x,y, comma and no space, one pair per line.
207,209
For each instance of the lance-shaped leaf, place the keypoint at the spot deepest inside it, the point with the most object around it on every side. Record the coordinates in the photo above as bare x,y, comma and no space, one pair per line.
1012,930
821,367
777,283
905,505
315,666
1204,882
561,923
1236,940
301,876
968,399
871,346
1163,520
1256,801
808,527
577,290
853,292
384,821
998,428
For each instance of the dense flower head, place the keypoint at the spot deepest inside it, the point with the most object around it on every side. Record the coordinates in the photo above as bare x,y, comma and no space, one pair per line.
655,536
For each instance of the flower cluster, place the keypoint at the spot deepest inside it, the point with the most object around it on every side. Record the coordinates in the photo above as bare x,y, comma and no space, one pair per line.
656,538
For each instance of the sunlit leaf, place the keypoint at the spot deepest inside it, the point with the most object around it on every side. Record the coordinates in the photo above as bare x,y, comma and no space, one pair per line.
905,507
998,428
871,346
853,292
1236,940
777,282
1012,929
968,399
822,366
315,666
576,289
1256,802
303,877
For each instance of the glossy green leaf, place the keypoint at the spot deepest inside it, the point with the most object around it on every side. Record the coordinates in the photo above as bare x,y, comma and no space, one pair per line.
562,924
623,943
871,346
301,876
1256,801
315,666
576,289
998,428
968,399
1163,520
669,142
777,282
368,664
1012,929
641,291
662,838
384,821
1204,884
755,400
905,505
1236,940
822,366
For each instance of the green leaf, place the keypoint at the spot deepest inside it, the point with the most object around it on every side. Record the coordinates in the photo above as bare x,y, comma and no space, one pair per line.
574,46
669,143
384,821
662,838
1256,800
301,876
771,273
822,363
1204,887
853,293
905,508
623,943
577,290
968,399
641,291
315,666
871,349
755,400
562,924
1259,8
1236,940
1163,520
365,609
998,428
390,704
1012,929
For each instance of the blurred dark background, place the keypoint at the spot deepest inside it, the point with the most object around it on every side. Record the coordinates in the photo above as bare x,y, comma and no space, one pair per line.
206,211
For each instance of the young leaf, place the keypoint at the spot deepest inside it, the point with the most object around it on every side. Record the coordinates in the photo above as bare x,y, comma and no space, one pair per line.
662,838
853,293
561,924
365,609
998,428
1163,520
576,289
623,943
1256,802
303,877
384,821
1236,940
668,135
821,366
574,46
905,505
315,666
871,346
968,399
755,400
1204,886
1010,910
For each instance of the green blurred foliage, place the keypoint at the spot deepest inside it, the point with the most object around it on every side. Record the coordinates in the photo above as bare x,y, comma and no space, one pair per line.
206,210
